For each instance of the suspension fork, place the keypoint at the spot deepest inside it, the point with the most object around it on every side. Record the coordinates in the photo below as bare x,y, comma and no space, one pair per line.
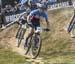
37,34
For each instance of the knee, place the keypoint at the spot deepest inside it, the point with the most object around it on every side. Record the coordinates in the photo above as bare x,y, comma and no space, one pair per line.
31,31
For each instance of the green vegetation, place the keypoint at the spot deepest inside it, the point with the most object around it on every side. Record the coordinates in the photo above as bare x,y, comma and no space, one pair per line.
59,47
9,57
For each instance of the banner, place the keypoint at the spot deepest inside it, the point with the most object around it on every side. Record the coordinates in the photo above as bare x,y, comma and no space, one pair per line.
57,5
11,17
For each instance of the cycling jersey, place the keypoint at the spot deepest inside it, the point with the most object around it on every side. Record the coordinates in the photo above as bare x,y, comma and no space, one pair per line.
37,13
23,21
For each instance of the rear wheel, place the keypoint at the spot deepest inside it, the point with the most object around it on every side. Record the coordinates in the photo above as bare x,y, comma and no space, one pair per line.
36,43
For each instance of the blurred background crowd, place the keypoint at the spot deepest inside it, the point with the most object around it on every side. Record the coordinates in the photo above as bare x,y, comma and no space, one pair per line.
9,7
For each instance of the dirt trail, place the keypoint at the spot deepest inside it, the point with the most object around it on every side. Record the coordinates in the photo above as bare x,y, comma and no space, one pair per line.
7,39
58,26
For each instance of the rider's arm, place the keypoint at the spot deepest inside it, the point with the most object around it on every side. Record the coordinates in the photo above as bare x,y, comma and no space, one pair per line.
47,22
46,18
30,16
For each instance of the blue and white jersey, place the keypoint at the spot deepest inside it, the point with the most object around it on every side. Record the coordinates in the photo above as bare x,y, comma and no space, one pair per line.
37,13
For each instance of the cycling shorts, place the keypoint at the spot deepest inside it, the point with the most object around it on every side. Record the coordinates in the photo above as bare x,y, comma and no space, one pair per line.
23,21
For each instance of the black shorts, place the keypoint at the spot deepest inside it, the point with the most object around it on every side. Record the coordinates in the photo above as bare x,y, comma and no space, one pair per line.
23,21
35,23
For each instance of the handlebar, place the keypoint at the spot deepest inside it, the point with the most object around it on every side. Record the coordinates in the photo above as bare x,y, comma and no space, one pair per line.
45,29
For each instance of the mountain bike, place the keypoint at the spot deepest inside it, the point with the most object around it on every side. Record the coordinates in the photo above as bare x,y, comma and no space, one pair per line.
34,44
20,33
71,25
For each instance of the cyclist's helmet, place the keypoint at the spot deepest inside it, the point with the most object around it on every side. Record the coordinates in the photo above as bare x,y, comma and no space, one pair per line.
43,6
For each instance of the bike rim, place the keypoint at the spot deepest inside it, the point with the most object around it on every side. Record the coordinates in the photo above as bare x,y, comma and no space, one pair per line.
35,52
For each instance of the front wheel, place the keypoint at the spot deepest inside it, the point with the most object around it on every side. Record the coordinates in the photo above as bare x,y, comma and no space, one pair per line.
28,46
21,36
36,43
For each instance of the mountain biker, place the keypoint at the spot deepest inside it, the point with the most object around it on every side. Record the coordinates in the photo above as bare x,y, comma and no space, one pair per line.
24,15
23,19
33,20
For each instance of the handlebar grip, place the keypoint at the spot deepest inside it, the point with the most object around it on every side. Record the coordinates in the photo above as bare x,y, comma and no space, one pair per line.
46,29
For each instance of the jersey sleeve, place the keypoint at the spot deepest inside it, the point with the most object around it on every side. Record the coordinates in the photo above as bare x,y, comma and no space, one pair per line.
32,13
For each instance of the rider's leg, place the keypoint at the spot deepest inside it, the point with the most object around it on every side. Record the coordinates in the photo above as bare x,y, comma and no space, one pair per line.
35,23
35,45
30,34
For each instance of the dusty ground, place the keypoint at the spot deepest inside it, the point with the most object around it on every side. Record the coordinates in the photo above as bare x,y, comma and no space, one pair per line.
57,42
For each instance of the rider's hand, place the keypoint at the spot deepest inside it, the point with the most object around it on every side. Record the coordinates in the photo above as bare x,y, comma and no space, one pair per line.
46,29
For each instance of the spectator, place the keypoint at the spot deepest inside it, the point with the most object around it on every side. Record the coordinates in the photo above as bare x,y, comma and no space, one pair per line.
2,17
34,1
70,2
34,4
16,7
52,1
23,2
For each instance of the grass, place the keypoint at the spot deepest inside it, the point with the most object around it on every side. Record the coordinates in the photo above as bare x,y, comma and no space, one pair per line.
59,47
9,57
61,60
